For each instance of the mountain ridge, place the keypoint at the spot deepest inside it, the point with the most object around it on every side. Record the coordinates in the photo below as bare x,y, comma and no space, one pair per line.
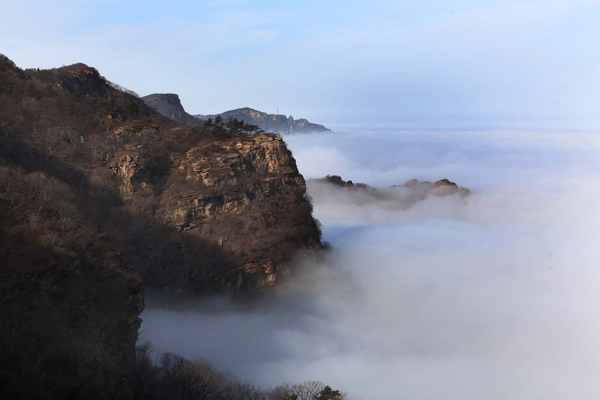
276,123
169,105
101,197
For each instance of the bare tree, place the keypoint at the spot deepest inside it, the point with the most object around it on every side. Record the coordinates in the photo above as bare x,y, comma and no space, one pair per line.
309,390
190,380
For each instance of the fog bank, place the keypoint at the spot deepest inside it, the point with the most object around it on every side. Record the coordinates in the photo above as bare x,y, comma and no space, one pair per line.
491,296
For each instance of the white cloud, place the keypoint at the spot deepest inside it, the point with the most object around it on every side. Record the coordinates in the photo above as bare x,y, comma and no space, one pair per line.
494,299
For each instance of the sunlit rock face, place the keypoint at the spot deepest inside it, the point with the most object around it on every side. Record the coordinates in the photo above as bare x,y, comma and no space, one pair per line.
243,199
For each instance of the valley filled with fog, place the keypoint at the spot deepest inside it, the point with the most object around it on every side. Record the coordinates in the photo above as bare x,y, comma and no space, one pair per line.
490,296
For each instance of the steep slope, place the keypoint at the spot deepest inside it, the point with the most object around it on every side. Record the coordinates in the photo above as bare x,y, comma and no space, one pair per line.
96,190
169,105
69,302
275,123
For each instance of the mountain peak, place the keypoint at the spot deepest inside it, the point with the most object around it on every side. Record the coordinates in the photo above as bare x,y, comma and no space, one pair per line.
276,123
169,105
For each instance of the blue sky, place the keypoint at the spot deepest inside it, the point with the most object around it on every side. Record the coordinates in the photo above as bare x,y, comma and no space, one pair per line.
530,65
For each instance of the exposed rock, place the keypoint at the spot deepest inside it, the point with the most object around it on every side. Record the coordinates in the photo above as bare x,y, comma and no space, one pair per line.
245,198
84,80
338,181
443,187
398,197
169,105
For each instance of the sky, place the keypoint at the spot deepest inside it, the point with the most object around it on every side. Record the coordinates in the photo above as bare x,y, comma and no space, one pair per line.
491,296
453,65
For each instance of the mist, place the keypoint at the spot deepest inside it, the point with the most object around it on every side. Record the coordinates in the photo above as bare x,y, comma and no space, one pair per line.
491,296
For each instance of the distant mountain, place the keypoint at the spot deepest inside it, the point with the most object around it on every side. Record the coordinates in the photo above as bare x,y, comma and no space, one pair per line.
275,123
398,197
169,105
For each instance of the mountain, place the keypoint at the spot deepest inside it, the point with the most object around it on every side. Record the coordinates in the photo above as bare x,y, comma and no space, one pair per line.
275,123
101,197
398,197
169,105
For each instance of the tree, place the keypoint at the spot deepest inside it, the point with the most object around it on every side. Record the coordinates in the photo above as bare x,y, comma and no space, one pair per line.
309,390
133,109
185,379
329,394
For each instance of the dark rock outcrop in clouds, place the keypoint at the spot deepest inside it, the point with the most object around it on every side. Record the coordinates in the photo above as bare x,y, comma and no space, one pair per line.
397,196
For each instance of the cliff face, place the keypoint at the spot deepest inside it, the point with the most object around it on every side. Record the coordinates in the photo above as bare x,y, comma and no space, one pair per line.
169,105
236,209
275,123
251,197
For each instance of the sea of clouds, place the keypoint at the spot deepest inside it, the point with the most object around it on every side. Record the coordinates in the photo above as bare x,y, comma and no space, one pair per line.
492,296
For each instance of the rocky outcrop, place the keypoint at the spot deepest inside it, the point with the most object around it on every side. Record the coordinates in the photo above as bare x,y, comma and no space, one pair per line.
83,80
169,105
275,123
443,187
243,199
396,197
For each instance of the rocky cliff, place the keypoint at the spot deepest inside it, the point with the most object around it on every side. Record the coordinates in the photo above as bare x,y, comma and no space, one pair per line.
397,197
275,123
236,211
98,190
169,105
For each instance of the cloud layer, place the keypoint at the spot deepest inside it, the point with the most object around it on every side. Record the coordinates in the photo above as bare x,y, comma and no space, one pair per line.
494,297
